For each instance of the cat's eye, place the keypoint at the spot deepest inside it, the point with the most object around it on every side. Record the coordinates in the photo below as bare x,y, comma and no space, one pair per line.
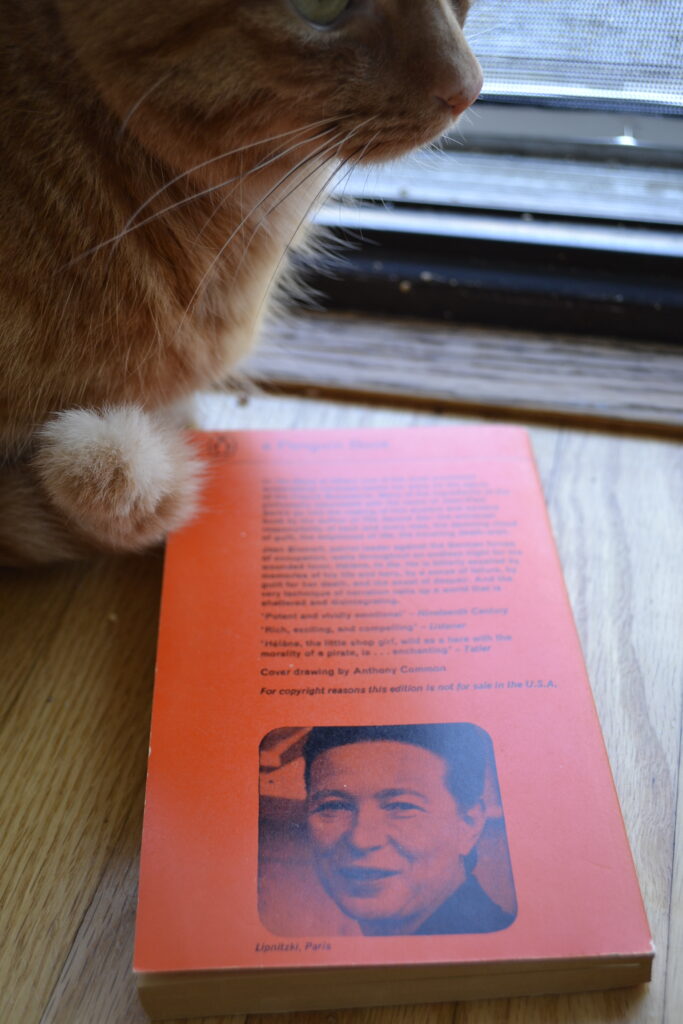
322,13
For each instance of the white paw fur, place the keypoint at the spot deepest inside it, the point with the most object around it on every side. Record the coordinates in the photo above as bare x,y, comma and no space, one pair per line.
122,477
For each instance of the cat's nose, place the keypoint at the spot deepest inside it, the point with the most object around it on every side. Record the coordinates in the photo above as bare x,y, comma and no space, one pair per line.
465,94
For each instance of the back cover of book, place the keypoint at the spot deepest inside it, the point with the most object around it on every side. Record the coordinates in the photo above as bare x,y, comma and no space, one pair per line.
373,739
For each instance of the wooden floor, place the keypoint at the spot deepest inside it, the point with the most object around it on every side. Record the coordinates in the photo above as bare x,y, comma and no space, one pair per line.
76,672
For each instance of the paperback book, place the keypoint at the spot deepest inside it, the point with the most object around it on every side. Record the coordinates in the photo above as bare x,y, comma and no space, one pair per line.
376,772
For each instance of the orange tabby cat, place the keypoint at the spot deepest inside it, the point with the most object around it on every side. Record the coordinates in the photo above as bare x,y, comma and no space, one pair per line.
157,162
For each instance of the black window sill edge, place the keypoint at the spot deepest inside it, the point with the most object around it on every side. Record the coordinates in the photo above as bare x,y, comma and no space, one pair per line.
573,277
611,102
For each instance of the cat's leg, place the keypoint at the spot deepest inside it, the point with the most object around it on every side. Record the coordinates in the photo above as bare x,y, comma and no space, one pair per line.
31,531
116,480
123,477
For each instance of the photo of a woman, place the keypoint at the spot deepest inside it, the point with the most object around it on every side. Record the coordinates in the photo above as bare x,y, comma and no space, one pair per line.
393,820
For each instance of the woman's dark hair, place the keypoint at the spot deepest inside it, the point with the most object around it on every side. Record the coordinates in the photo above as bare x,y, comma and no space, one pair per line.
466,749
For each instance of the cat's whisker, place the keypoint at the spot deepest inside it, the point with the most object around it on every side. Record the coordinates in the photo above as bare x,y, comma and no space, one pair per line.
224,156
136,106
347,166
322,152
130,226
297,184
458,133
425,157
486,30
326,185
368,148
291,192
239,181
316,155
238,178
219,206
473,114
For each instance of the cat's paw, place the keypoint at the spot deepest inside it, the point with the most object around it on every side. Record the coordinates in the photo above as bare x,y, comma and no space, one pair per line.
122,477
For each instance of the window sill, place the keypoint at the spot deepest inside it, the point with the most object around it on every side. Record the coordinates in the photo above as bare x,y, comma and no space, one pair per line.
524,184
599,382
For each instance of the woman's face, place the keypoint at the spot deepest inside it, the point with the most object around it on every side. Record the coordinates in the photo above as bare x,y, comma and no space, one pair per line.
387,834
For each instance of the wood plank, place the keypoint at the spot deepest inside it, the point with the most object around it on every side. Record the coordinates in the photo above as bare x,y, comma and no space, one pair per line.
32,594
596,507
444,1014
96,982
74,745
673,997
578,381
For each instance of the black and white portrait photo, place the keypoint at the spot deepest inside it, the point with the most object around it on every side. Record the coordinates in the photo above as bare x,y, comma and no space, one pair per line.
382,830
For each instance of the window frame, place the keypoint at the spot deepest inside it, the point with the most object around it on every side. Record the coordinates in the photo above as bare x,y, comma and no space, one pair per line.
612,271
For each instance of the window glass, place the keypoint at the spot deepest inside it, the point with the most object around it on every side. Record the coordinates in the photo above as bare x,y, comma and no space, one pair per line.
614,55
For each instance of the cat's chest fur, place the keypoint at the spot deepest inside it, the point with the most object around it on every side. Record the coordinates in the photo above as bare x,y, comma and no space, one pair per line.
209,274
170,295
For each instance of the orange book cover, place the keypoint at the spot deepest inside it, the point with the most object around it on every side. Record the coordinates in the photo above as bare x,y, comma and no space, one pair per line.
376,772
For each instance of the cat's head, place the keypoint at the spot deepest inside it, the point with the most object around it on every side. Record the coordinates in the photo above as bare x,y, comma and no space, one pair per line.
192,76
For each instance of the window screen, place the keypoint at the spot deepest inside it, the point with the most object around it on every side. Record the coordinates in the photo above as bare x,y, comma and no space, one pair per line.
605,54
